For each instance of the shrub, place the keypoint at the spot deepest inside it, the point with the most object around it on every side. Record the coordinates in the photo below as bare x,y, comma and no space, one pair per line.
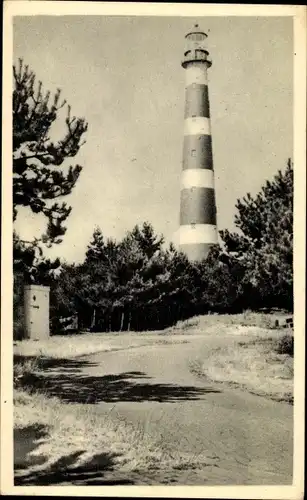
285,345
23,369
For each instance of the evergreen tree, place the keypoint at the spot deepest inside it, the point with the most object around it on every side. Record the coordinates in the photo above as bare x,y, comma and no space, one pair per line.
96,247
118,278
29,262
64,297
264,245
37,176
218,283
149,243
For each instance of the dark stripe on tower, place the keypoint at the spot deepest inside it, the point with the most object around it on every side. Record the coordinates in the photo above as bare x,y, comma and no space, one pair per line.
197,206
197,101
196,251
197,152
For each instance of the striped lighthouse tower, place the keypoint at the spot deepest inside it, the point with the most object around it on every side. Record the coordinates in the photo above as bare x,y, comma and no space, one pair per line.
198,230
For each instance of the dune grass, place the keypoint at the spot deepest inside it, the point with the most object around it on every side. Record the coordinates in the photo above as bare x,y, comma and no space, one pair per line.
76,430
247,319
262,366
71,346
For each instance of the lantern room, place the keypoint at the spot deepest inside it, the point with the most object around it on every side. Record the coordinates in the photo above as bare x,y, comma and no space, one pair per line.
196,48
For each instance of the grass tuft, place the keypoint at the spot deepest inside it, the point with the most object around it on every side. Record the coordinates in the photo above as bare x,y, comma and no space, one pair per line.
24,369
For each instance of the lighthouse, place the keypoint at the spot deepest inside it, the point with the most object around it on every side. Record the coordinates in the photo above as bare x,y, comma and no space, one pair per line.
198,225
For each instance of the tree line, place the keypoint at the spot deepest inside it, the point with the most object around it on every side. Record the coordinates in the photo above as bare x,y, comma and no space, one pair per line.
138,283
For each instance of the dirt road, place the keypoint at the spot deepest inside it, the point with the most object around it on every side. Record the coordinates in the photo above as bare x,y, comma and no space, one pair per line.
247,438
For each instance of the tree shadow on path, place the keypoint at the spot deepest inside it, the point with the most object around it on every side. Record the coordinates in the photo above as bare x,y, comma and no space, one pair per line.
99,470
68,383
26,440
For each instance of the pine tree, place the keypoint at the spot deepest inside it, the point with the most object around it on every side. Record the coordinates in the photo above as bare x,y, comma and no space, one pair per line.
30,263
218,282
148,241
64,299
264,245
96,247
37,176
119,278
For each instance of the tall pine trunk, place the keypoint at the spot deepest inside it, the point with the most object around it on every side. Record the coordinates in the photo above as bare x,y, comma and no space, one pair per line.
122,321
93,321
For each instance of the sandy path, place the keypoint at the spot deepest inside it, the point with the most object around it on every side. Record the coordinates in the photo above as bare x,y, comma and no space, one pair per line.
248,437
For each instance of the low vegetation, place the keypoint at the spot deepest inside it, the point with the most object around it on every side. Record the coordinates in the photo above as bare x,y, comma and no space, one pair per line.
285,345
263,366
256,320
94,435
71,346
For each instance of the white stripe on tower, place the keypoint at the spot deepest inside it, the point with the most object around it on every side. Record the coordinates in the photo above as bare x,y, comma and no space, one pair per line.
198,229
197,177
200,233
198,125
196,74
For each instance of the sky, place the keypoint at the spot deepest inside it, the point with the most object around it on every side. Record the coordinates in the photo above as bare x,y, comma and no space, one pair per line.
124,76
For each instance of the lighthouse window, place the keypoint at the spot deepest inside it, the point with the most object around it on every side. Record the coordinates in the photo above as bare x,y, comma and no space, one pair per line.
193,152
